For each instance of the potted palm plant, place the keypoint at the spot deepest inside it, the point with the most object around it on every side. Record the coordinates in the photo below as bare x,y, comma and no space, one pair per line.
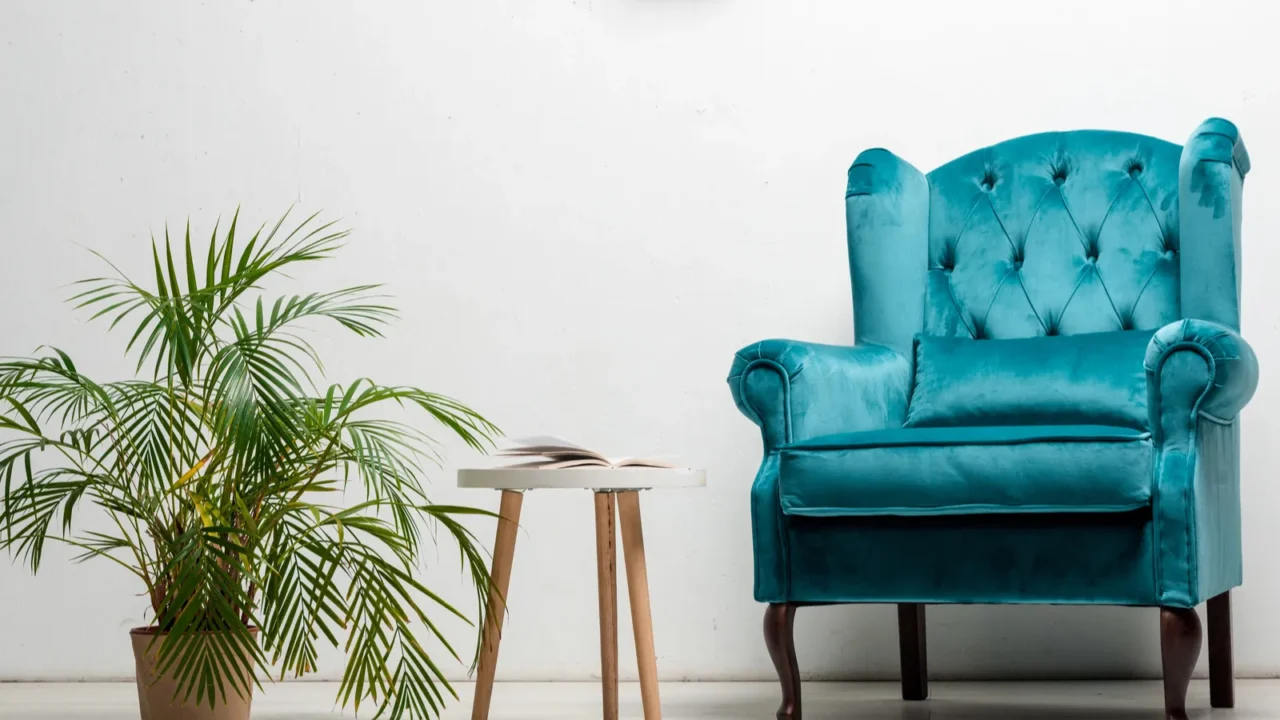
262,512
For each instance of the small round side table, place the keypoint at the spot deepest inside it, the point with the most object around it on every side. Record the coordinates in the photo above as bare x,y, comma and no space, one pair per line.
617,497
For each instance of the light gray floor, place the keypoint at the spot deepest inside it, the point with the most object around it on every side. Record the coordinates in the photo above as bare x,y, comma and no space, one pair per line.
1256,699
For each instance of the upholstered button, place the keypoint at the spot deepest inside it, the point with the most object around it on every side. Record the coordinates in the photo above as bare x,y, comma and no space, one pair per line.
1051,330
1017,263
988,181
1059,177
1126,323
1169,253
1135,168
1091,258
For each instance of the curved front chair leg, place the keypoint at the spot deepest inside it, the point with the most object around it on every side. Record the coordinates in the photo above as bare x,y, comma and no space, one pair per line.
779,637
1180,637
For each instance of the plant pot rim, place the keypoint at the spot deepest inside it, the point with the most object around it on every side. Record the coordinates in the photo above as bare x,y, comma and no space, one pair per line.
155,630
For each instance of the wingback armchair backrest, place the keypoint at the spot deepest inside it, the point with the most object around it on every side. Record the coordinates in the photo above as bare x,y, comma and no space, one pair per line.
1048,234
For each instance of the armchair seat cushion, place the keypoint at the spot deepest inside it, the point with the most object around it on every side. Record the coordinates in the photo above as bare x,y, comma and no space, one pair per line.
968,471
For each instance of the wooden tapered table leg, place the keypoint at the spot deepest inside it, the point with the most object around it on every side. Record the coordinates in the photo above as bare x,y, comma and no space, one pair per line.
638,591
607,573
504,549
617,503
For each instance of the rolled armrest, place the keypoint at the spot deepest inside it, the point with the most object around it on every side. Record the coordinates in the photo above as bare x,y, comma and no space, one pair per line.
1200,374
796,390
1197,368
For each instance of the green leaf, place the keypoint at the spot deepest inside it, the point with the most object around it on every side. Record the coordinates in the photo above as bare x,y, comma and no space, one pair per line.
155,257
192,284
26,415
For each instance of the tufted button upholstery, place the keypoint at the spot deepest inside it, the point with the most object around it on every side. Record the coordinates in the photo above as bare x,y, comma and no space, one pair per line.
988,180
1016,244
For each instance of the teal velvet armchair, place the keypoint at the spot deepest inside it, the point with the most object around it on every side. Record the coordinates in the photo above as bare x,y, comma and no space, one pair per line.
1041,405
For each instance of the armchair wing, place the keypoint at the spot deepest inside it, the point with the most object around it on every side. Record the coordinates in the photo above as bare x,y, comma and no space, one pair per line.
1211,175
1200,374
796,390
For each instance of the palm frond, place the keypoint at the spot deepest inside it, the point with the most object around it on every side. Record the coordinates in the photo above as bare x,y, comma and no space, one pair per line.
222,470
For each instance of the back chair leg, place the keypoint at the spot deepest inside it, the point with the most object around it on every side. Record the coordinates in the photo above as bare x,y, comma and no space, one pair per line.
913,651
779,637
1222,691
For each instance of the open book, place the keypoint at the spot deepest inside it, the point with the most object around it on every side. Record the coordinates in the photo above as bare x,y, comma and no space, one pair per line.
553,453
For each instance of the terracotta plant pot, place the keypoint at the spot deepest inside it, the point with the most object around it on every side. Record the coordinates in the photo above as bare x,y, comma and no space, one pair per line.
156,693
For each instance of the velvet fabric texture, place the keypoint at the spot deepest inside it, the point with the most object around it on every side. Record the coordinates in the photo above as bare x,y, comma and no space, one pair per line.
794,389
959,452
1199,376
1054,234
1079,379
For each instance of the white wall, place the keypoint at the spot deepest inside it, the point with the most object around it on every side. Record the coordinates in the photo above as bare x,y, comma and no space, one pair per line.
584,208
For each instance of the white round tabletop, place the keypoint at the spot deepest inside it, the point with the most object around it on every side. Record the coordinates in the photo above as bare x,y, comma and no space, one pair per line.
591,478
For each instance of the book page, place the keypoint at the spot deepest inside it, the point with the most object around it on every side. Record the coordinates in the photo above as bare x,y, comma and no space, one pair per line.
552,447
553,453
642,462
559,463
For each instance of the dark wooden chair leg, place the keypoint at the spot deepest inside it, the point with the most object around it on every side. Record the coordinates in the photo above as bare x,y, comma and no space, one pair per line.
1222,681
1180,638
912,648
779,637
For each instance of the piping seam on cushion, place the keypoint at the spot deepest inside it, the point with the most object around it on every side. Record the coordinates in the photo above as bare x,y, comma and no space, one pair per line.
968,509
1137,437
